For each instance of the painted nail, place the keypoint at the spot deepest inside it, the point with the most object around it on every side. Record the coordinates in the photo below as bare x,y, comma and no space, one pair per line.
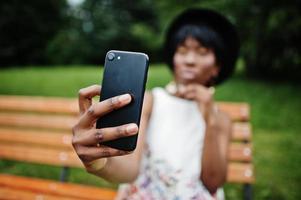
124,98
132,128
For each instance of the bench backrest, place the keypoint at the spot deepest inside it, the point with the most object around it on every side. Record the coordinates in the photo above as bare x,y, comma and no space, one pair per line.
38,130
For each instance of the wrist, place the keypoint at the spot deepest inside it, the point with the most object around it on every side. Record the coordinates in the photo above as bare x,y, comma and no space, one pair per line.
212,116
96,166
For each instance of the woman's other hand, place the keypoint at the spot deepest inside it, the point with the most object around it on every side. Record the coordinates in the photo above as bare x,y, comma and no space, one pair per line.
202,95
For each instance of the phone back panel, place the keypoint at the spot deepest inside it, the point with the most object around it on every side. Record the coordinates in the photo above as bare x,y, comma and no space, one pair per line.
125,73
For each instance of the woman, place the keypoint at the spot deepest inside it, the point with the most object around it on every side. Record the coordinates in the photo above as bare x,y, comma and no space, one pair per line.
183,137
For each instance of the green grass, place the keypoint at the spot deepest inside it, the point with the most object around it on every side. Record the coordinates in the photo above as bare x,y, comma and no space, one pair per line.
61,80
275,116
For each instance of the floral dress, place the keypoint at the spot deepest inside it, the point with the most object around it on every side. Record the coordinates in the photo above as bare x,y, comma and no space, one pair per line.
171,163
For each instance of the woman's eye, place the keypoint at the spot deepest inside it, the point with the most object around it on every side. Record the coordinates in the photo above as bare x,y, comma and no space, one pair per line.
203,51
182,50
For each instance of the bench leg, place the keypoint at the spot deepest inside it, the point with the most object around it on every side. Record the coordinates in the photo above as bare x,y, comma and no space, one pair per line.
64,174
247,191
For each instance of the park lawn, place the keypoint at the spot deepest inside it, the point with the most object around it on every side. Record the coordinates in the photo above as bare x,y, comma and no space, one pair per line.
275,116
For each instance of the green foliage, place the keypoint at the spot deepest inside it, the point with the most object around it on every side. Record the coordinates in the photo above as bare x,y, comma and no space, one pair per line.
270,33
40,32
26,28
98,26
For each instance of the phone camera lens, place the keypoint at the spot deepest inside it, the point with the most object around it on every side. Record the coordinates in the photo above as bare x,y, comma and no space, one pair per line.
111,56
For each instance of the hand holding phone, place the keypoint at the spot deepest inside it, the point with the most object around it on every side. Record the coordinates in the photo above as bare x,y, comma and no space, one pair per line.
86,137
124,73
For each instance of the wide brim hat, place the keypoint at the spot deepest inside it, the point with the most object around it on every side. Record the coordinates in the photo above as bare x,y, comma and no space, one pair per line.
220,24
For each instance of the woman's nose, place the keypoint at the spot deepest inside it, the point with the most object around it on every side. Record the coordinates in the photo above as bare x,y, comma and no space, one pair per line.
190,58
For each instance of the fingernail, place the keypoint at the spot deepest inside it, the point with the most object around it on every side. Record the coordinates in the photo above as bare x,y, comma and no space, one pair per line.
132,128
124,98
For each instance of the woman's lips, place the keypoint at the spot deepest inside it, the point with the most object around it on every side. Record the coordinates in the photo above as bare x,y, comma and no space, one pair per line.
185,74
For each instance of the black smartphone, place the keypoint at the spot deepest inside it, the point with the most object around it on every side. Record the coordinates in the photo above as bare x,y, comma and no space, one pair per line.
124,72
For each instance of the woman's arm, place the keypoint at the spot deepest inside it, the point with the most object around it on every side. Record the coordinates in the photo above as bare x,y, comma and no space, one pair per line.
217,134
126,168
215,151
108,163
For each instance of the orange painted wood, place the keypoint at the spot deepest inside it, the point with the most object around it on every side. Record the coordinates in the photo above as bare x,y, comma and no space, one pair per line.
240,173
37,154
37,131
37,121
59,157
39,104
236,111
37,137
22,141
241,131
237,173
55,188
240,152
17,194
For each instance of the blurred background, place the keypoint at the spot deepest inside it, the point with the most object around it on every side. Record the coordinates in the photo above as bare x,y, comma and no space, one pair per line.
56,47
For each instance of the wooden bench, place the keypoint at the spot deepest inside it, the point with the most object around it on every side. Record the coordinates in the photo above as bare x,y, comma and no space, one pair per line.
38,130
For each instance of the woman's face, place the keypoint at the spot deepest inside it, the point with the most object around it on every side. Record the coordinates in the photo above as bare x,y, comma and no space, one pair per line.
194,63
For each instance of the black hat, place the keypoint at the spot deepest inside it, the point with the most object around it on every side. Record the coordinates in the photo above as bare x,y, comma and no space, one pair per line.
222,26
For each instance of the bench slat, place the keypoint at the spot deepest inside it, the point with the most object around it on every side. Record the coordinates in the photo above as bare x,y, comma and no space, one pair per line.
16,194
241,131
240,152
38,137
50,156
61,157
41,144
240,173
236,111
66,156
55,188
39,104
37,121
